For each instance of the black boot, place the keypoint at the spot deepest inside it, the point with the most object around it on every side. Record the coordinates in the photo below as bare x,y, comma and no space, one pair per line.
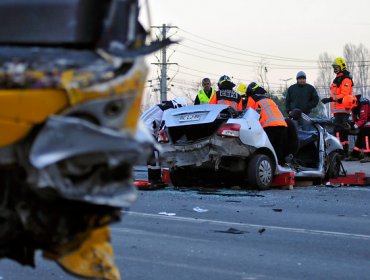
345,151
154,175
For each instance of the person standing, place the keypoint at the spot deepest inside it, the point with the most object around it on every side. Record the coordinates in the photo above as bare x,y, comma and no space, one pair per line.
271,119
340,88
301,95
226,95
205,94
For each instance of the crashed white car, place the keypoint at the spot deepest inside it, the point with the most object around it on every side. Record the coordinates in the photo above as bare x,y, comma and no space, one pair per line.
216,145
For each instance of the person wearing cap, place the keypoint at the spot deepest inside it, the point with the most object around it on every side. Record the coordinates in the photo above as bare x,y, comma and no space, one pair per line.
226,95
360,111
341,87
205,94
271,119
301,95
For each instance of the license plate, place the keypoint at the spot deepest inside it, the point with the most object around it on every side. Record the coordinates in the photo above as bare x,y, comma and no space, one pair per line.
189,118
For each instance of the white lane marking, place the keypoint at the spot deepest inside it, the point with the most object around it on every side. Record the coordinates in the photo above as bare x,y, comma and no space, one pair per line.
246,225
205,269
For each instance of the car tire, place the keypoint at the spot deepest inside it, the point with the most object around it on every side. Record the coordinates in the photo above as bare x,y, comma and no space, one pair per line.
260,172
333,166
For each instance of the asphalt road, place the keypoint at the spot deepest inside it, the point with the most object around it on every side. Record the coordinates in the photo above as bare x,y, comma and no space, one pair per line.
307,233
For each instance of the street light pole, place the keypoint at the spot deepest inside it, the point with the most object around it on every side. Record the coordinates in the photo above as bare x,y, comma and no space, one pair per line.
286,82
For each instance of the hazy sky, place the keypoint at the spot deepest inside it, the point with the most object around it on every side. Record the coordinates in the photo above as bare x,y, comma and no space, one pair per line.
288,35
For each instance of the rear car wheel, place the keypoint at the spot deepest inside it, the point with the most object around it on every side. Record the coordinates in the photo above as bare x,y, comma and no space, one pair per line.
260,172
333,166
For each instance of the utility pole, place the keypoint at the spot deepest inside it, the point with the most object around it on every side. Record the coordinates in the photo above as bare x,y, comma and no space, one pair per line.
164,63
286,82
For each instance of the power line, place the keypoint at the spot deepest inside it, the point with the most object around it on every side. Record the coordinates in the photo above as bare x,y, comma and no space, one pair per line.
257,54
241,53
282,67
247,51
249,61
243,64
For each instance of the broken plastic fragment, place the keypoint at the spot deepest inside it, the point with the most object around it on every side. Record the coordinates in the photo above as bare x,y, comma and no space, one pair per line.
232,231
199,210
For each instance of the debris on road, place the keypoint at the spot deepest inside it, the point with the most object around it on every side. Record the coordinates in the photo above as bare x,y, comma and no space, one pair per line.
232,231
262,230
200,210
278,210
148,186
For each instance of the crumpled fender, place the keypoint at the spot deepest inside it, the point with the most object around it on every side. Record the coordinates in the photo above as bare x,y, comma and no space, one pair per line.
66,137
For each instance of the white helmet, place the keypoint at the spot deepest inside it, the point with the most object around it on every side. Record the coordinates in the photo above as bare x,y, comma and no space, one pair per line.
179,102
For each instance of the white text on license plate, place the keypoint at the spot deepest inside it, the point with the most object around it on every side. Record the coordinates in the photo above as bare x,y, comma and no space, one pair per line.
189,118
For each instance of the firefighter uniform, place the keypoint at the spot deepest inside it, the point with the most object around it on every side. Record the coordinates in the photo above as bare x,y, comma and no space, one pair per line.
340,88
361,121
226,95
271,119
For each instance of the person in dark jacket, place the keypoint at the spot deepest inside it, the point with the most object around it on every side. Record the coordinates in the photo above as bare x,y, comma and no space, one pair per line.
301,95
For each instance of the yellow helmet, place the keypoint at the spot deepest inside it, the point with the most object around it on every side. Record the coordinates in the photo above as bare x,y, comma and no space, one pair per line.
242,89
340,62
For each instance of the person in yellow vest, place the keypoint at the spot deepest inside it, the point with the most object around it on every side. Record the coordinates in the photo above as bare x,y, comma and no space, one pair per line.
205,94
242,89
340,88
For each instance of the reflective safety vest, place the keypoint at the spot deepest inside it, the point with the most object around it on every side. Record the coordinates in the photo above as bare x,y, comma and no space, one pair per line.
203,98
270,114
341,87
227,97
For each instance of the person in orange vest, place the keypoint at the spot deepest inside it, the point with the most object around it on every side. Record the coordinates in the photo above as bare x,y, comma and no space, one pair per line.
226,95
205,94
341,87
271,119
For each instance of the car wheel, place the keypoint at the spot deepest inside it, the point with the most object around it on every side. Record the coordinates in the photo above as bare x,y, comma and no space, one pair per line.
260,172
333,166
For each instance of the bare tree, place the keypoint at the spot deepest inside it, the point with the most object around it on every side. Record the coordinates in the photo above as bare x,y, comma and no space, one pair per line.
350,55
357,58
325,77
363,69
